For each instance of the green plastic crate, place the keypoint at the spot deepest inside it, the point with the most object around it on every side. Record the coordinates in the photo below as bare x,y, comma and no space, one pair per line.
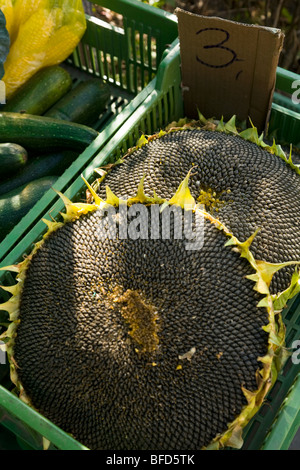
275,424
284,120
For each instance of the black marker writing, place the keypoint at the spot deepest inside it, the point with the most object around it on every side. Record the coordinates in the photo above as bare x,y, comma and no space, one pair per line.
219,45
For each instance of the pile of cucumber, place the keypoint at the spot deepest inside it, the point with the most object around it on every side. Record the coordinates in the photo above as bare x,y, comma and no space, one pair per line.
43,128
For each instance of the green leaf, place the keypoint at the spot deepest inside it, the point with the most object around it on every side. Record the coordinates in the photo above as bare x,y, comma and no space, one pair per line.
201,118
183,196
4,43
221,126
230,126
142,141
250,134
280,299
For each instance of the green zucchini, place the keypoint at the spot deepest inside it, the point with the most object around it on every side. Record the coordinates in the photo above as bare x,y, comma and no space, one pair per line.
13,157
83,104
44,133
38,167
15,205
41,91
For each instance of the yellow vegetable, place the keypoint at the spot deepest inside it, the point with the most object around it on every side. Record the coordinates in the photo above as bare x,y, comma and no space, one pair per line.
42,33
22,11
60,45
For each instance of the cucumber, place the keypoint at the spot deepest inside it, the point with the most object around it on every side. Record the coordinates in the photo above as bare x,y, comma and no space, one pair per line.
44,133
13,157
41,91
83,104
38,167
15,205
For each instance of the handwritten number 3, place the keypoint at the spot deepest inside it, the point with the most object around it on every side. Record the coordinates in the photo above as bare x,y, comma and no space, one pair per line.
219,45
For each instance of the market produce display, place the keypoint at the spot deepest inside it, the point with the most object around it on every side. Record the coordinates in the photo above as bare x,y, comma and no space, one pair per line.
148,339
43,128
137,342
38,147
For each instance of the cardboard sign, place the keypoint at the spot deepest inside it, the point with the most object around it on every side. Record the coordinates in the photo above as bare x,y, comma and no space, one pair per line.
227,67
